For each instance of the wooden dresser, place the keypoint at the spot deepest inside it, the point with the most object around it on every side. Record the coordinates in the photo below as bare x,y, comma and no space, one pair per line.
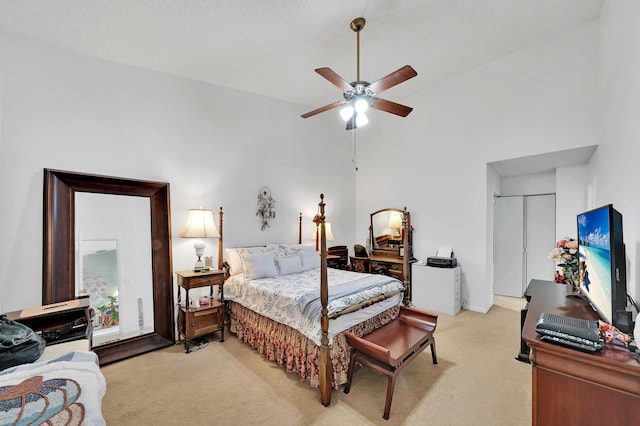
570,387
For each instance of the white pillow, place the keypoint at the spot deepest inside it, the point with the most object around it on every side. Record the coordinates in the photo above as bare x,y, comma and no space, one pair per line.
289,265
234,261
259,265
310,259
290,249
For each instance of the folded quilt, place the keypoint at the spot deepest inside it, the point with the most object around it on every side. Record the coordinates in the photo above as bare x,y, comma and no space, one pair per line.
65,390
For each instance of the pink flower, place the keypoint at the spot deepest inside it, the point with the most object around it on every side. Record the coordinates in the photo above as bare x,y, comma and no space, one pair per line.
572,245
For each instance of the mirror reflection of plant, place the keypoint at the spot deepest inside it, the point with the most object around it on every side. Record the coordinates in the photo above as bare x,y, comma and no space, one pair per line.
111,308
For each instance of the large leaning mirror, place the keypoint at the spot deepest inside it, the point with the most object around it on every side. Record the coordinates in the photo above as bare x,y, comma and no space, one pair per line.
108,239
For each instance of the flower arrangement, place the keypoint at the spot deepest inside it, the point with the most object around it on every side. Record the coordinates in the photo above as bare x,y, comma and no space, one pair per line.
565,254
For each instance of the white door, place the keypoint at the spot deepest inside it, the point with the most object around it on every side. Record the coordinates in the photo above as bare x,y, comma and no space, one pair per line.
540,225
508,246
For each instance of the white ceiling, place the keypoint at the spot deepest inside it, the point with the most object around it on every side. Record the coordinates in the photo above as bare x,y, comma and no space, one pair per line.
271,47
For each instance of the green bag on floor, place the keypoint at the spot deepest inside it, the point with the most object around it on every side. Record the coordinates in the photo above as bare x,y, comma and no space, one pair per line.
19,344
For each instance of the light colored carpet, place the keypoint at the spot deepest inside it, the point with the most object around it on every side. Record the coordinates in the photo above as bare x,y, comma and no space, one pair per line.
477,381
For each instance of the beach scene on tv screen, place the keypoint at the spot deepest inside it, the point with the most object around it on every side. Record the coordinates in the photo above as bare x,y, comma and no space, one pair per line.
595,258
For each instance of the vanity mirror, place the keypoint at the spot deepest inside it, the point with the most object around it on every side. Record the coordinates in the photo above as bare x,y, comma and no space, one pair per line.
391,242
387,231
109,239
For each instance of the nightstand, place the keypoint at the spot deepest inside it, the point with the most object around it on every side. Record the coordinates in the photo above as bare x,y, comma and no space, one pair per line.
195,322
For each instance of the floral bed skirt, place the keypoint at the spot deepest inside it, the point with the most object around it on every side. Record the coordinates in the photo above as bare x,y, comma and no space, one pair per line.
288,347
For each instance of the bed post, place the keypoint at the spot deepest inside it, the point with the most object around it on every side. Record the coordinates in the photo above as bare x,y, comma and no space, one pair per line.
300,229
220,241
325,359
406,228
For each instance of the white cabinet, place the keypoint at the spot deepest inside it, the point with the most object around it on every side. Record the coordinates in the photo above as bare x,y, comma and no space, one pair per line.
436,289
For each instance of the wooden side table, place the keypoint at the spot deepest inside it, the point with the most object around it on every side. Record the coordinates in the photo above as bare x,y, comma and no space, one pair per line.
195,322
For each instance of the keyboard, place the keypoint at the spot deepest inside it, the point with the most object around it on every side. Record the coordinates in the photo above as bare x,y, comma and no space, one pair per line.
586,347
576,333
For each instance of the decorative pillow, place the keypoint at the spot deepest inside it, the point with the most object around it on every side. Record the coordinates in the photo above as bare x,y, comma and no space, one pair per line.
276,249
234,261
289,265
259,265
291,249
310,259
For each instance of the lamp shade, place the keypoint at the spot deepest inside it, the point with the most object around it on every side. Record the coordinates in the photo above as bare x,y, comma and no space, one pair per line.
327,226
395,220
200,224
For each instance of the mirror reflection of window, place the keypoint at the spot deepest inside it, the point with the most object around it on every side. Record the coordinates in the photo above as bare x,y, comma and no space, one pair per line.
113,264
100,280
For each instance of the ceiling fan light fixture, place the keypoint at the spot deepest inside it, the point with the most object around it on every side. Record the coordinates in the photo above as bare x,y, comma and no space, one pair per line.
359,95
361,119
346,113
361,105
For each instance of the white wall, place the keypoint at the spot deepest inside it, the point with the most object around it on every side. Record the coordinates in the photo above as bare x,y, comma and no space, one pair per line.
215,146
571,199
64,111
614,166
541,183
538,100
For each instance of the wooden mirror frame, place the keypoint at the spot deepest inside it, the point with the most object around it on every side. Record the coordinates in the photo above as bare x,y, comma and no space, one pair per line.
58,271
391,252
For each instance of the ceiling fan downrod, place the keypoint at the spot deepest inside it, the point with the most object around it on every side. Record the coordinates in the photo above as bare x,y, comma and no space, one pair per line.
357,25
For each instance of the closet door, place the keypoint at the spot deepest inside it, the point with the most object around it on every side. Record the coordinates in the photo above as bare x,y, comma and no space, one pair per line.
540,226
508,246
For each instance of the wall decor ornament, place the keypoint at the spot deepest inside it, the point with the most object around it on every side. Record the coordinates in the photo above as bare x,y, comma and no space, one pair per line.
266,207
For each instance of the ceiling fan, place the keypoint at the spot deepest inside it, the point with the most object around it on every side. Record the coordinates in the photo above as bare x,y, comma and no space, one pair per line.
360,95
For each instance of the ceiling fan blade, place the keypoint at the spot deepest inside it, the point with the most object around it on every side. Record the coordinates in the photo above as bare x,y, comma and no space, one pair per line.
390,80
334,78
322,109
392,107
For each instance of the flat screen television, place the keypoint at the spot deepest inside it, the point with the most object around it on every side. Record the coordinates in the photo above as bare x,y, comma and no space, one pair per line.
602,264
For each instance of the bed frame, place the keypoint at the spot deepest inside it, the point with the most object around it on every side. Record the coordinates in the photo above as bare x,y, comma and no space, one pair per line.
325,365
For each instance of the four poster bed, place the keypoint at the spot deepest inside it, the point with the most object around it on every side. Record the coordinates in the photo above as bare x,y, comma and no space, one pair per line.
276,305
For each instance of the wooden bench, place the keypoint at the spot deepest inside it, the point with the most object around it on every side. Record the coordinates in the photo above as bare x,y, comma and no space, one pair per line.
388,349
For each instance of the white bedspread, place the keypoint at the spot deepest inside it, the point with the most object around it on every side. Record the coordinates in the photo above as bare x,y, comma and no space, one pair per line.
278,298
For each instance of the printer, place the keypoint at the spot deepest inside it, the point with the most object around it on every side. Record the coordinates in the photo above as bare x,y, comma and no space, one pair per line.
443,258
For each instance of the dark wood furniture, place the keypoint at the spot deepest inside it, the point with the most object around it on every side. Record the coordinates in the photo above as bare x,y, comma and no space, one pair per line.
388,349
338,257
392,266
360,264
195,322
572,387
523,353
333,261
387,253
58,322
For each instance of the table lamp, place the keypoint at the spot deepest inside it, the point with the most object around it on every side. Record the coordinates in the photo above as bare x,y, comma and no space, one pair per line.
395,222
327,227
200,224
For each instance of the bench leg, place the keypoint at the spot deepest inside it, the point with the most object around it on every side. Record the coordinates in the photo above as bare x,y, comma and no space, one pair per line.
387,404
434,357
352,364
